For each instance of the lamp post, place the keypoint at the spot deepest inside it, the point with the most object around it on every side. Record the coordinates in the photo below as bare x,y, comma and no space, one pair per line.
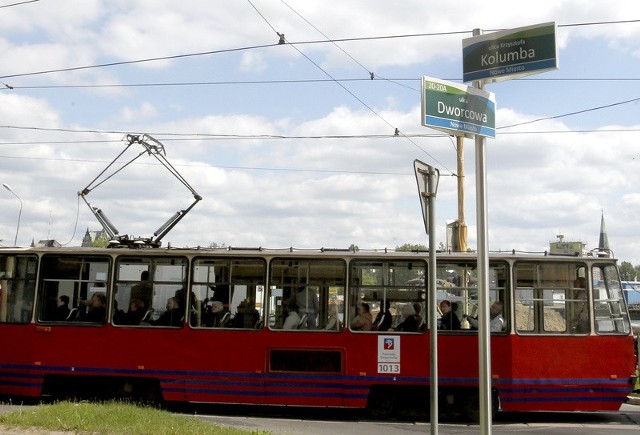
6,186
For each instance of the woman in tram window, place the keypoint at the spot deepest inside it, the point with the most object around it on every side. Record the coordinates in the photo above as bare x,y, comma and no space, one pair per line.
449,319
363,321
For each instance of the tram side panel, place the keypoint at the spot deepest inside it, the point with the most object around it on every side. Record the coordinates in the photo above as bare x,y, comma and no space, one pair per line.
554,373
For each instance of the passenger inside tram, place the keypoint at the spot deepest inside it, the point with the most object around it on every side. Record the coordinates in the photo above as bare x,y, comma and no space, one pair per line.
449,320
384,318
408,321
333,322
292,319
363,320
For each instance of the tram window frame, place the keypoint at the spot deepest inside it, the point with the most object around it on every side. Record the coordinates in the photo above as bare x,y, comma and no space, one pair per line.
226,286
143,278
17,288
324,283
547,300
375,281
80,278
450,277
610,314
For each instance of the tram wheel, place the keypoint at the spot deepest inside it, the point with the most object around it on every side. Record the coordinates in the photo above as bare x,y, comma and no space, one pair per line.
471,405
381,404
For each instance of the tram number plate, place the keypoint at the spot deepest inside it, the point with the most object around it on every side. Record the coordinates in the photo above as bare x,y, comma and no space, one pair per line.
388,368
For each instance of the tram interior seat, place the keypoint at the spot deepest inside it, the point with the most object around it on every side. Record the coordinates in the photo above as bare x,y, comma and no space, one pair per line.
147,316
225,319
73,313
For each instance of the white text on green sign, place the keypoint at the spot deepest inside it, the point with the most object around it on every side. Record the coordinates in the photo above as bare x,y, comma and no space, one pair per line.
510,54
457,109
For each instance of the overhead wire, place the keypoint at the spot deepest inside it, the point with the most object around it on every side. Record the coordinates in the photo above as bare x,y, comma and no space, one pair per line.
253,47
18,3
397,132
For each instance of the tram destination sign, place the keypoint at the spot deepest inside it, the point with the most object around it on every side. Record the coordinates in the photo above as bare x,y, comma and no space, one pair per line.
510,54
458,109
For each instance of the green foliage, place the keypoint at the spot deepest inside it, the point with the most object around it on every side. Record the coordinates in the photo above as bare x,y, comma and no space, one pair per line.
112,418
627,271
99,243
408,247
217,245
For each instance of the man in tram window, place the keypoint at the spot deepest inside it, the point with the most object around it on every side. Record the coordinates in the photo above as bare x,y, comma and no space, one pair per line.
496,324
63,310
383,319
144,290
246,317
333,322
215,315
579,322
307,302
408,321
97,308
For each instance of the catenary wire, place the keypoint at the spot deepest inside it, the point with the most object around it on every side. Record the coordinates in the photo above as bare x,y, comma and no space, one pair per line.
253,47
371,109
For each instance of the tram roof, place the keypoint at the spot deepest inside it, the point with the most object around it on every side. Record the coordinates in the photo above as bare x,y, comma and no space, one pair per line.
294,252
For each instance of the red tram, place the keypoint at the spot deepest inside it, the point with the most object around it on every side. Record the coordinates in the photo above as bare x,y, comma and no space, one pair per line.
281,327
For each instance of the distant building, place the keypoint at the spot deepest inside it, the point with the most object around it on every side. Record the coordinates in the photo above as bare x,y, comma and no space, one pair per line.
90,237
603,245
45,244
560,247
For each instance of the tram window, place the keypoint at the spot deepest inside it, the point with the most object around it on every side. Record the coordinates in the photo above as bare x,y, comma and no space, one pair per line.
609,307
228,292
457,291
17,288
150,291
400,285
551,298
73,288
306,294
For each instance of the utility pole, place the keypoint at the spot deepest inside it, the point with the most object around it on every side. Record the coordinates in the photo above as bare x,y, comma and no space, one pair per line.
462,226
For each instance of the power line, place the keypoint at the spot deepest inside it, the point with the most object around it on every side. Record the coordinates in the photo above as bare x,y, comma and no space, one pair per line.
246,168
19,3
232,137
253,47
299,81
371,109
592,109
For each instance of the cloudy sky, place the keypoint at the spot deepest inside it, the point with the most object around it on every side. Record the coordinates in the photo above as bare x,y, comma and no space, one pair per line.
293,145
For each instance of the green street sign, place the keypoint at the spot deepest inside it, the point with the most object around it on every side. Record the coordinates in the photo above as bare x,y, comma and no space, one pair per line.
458,109
510,54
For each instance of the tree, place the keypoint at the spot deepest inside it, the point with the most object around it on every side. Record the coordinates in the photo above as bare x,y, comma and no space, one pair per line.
627,271
408,247
217,245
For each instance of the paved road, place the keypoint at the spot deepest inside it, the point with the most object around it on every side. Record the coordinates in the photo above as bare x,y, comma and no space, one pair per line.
625,421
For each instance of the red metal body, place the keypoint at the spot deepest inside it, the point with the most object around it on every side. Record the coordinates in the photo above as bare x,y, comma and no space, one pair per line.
529,372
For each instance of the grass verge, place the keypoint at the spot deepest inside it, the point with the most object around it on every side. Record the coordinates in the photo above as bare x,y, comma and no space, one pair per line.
113,418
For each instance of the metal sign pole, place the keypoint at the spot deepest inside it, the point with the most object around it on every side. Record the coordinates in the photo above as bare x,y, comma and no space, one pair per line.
433,296
428,178
484,345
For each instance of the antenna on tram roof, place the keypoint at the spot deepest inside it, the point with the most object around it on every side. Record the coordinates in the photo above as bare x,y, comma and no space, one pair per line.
152,147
